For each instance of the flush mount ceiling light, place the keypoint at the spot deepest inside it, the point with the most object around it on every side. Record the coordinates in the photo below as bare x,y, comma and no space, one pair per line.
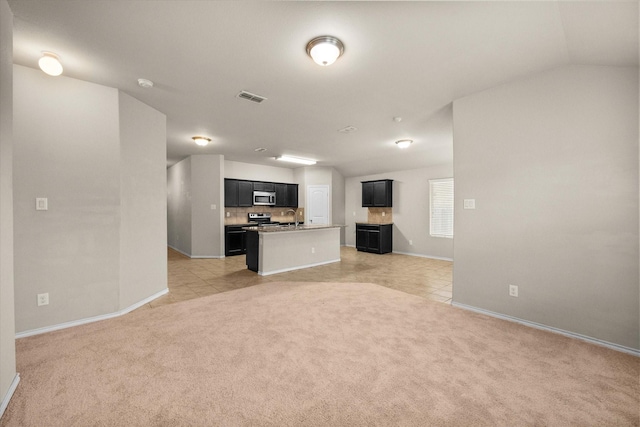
324,50
404,143
201,140
296,160
50,64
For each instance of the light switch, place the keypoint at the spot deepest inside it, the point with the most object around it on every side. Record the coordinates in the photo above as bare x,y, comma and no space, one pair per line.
469,203
42,204
213,207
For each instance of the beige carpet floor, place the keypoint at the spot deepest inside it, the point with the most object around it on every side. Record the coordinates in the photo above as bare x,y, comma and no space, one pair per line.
318,354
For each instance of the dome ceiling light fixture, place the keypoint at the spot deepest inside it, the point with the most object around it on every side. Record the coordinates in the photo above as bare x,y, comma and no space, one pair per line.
324,50
404,143
201,140
50,64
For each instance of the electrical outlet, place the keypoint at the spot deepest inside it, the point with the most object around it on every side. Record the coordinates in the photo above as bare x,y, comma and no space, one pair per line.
43,299
513,291
228,214
383,213
313,250
213,207
411,242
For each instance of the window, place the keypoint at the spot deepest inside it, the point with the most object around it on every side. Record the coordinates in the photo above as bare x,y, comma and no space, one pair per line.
441,207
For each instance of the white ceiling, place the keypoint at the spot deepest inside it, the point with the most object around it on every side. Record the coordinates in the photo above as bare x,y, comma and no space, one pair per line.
407,59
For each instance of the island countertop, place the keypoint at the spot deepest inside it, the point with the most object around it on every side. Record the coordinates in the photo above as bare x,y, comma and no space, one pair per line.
285,228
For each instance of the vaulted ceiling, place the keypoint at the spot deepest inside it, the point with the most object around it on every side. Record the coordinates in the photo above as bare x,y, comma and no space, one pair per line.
402,59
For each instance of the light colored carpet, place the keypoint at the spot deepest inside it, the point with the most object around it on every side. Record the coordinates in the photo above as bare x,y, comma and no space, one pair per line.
318,354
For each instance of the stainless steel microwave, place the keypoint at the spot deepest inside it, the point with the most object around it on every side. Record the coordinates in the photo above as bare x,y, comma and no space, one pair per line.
264,198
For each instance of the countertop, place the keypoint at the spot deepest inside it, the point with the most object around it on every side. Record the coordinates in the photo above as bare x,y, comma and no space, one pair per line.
374,223
284,228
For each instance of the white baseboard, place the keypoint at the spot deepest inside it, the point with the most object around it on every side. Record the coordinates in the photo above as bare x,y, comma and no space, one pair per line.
178,250
284,270
79,322
196,256
9,394
424,256
617,347
206,257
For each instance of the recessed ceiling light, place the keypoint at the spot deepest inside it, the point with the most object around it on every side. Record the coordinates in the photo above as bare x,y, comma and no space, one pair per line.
260,150
296,160
201,140
145,83
50,64
404,143
324,50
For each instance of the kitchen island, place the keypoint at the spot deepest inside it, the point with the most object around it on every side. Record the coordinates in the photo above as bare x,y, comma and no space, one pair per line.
277,249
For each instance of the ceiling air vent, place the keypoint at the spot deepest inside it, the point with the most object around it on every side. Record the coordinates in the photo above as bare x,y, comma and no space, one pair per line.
251,97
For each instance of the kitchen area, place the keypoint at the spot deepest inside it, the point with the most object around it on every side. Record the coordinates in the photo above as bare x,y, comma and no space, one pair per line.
263,222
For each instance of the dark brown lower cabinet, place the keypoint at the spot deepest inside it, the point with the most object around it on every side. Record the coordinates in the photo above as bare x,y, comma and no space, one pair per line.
375,238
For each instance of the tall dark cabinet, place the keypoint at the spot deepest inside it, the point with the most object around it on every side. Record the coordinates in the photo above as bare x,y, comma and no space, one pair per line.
378,194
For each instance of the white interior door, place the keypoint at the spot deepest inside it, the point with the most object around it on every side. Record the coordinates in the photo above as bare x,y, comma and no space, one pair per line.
317,204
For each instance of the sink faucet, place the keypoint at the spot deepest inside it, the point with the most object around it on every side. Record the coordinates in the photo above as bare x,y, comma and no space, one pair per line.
295,215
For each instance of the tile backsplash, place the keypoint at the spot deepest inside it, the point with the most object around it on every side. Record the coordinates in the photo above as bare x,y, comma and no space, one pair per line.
234,216
380,215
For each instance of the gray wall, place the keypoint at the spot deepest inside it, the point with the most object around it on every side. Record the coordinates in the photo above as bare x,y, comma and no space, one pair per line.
240,170
207,192
68,148
552,162
410,211
338,202
7,324
179,206
143,174
195,202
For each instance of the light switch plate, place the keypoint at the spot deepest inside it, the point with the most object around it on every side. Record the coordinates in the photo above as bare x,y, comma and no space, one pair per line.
469,203
42,204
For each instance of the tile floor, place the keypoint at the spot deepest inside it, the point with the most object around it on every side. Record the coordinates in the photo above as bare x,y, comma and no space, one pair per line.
194,278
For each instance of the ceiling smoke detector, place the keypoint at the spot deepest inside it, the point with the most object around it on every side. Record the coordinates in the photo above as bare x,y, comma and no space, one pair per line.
144,83
251,97
348,129
260,150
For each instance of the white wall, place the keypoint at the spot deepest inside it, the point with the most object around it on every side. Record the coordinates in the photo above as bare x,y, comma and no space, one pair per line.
143,174
179,206
239,170
410,211
7,323
68,149
552,162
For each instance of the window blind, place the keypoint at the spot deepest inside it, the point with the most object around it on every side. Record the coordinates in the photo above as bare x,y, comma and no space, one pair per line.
441,207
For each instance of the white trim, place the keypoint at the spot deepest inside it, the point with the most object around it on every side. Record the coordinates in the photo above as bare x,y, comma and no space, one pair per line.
9,394
178,250
617,347
86,320
206,257
424,256
196,256
284,270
